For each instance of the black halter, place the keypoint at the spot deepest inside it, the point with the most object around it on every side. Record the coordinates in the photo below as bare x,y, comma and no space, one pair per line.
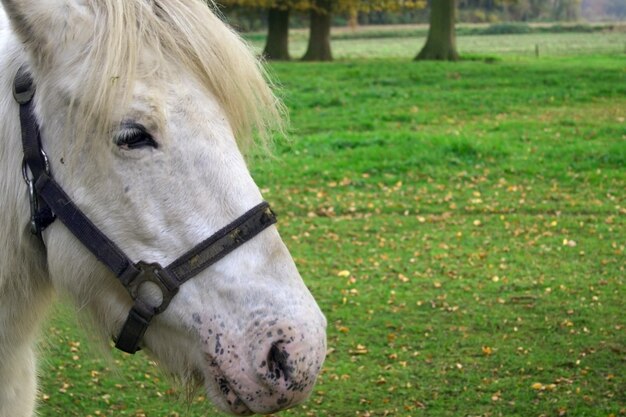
48,201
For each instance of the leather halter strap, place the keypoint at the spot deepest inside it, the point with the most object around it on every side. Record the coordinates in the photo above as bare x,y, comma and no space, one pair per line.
35,161
52,200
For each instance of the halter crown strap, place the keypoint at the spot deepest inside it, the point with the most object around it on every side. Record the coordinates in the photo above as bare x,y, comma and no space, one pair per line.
42,187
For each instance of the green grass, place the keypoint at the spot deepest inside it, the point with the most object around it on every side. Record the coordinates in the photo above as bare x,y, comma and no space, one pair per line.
480,211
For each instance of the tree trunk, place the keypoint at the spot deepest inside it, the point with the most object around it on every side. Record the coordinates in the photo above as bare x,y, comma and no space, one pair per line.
319,37
277,44
441,42
353,19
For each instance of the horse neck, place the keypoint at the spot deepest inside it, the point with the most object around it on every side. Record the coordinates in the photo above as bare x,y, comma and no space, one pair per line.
25,291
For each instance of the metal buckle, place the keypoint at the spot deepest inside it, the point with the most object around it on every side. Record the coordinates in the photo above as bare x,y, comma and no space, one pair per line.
156,274
35,227
25,168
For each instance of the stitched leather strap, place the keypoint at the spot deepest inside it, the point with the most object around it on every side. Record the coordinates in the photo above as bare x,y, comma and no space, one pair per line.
222,242
135,327
89,235
23,92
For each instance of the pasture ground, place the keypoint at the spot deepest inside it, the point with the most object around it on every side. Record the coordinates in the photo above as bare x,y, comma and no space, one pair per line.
462,225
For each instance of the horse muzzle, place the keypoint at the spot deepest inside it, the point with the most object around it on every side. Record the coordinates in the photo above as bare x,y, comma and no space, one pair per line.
275,369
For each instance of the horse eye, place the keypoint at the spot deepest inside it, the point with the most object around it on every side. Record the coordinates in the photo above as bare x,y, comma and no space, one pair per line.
134,136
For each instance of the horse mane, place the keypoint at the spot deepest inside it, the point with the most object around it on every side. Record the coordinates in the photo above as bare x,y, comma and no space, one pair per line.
187,32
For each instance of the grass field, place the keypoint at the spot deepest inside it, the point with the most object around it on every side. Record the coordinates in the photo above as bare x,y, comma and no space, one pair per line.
463,226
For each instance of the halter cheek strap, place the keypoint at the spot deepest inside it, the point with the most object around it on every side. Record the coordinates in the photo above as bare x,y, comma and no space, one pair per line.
35,161
49,201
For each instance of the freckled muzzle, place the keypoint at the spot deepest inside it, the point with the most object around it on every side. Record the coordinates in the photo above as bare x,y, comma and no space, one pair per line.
277,370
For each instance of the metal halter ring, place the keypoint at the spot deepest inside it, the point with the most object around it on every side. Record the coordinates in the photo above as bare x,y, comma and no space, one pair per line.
156,274
26,168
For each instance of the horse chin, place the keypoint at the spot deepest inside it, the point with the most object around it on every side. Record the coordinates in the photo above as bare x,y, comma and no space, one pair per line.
221,393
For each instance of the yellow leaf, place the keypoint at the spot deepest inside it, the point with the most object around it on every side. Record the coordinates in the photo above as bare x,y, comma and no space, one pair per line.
360,350
344,273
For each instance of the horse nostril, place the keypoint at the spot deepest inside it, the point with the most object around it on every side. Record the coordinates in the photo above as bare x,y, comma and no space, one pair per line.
277,362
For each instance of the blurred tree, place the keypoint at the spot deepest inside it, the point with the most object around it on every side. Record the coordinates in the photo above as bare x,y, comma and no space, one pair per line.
441,41
538,9
320,12
277,43
318,48
508,10
567,9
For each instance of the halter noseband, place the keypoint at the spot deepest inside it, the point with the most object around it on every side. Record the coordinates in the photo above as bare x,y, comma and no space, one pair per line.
48,201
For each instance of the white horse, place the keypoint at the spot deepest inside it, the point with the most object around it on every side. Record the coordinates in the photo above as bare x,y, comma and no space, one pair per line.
144,106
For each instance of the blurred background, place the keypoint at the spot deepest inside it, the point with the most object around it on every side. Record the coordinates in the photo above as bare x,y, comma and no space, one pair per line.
301,28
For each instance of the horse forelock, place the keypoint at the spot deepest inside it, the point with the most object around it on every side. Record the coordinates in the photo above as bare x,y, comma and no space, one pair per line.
185,32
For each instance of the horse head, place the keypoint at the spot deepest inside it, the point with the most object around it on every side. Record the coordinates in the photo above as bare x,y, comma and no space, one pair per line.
144,108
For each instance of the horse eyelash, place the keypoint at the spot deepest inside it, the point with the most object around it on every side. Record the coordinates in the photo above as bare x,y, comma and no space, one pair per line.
129,131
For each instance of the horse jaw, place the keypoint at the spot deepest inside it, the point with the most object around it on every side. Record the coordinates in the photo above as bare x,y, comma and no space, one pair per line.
261,349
